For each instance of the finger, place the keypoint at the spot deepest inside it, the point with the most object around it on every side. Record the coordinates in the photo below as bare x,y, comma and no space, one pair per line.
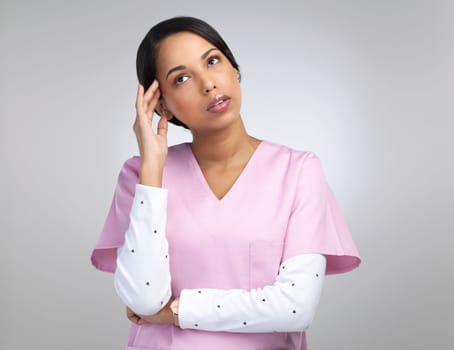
154,101
133,318
151,104
139,97
163,126
131,314
150,99
151,90
141,321
139,103
143,99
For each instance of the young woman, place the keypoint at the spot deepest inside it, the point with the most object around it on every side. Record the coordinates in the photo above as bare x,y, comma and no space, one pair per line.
221,243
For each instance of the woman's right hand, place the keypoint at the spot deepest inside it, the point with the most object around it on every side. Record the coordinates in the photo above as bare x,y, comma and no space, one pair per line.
152,145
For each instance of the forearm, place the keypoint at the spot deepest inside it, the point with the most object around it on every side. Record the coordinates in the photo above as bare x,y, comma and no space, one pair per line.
148,176
286,306
142,276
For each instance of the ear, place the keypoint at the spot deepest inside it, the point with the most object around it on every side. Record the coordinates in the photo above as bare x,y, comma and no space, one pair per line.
161,108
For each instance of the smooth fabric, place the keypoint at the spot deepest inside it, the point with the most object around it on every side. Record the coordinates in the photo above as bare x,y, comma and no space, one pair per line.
279,207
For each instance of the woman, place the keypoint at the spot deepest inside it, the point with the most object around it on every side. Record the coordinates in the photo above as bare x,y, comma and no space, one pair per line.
222,243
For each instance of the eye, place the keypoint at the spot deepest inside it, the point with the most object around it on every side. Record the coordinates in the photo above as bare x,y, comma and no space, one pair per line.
213,60
180,79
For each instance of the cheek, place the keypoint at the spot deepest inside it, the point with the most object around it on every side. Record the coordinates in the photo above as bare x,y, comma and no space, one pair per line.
180,104
230,80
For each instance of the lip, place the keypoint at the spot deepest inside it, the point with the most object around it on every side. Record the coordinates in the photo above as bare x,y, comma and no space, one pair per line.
218,104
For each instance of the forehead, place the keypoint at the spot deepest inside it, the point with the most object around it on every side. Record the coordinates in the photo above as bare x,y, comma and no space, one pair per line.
181,49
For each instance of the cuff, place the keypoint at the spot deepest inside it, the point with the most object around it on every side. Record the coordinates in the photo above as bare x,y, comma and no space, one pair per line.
148,199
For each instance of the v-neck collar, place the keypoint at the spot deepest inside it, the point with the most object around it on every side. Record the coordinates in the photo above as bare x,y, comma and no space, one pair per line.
197,171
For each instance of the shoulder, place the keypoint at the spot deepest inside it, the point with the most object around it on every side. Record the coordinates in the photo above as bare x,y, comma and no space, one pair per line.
131,165
293,158
178,151
130,168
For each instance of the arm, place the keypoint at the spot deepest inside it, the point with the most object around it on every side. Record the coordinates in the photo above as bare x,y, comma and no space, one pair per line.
287,306
142,277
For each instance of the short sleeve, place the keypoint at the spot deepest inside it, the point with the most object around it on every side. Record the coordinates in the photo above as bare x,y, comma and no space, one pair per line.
112,236
316,223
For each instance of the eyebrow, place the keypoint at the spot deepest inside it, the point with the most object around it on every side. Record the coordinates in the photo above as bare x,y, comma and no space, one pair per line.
177,68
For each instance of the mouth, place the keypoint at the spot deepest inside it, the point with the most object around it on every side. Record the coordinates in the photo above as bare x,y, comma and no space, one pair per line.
218,104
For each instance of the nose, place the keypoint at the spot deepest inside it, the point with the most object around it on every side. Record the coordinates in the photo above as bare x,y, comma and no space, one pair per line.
208,85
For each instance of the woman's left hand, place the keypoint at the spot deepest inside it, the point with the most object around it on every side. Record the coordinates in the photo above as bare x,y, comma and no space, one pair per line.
165,316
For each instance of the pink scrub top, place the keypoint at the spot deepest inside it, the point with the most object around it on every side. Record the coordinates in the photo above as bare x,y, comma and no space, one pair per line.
279,207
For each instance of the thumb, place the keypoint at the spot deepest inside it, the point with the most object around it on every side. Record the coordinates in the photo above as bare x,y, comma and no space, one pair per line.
162,126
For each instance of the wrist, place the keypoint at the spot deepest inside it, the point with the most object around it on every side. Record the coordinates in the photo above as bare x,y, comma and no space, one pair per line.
174,308
150,178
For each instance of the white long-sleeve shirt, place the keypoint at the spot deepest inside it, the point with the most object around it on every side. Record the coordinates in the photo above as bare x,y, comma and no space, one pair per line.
142,280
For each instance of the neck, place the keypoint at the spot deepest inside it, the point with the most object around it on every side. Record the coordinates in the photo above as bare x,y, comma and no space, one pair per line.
223,147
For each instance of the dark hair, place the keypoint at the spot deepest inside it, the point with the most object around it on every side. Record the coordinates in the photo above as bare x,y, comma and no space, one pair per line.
148,48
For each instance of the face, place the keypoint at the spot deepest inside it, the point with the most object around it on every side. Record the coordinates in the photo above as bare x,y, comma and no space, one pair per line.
198,83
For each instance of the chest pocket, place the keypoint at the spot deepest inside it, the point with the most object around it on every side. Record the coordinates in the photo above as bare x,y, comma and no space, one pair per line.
264,260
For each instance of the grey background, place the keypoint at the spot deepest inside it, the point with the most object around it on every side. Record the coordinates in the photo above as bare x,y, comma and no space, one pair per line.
367,85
